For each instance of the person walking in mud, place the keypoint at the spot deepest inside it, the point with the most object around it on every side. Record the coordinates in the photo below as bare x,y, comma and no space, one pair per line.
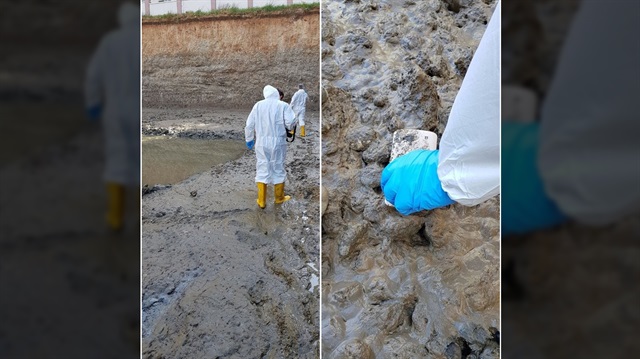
299,105
290,132
112,95
266,131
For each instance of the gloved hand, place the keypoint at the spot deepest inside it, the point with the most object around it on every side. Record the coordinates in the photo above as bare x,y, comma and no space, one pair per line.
411,183
94,112
250,144
525,205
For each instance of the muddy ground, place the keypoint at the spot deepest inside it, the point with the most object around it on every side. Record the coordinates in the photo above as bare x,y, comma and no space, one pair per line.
68,288
221,277
425,285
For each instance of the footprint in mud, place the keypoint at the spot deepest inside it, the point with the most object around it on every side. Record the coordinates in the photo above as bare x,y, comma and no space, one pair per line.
253,238
285,331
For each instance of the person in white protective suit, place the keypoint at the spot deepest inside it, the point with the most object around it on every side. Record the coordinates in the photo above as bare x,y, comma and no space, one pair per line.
466,168
266,129
580,161
112,94
299,105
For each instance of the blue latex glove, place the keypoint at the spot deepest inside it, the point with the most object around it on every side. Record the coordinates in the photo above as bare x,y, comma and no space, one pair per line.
411,183
94,112
525,205
250,144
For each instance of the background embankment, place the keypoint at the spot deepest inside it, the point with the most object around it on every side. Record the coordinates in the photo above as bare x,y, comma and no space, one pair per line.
225,60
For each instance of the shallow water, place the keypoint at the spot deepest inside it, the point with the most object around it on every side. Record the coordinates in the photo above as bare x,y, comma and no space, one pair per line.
169,160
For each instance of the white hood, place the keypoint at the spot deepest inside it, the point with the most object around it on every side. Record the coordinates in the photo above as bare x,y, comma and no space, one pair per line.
270,92
128,14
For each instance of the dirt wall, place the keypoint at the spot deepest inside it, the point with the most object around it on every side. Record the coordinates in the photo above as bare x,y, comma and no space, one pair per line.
225,61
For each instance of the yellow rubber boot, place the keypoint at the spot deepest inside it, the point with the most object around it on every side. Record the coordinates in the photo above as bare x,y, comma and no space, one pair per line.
115,210
279,193
302,133
262,195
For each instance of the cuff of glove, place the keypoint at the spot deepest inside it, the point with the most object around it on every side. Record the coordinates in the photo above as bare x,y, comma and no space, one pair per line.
526,207
411,182
94,112
435,196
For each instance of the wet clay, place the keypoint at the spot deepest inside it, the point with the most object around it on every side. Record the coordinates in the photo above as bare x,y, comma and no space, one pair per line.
425,285
221,277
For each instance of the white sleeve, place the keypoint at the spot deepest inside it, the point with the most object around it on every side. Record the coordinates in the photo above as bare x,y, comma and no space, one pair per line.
589,148
289,117
469,162
94,81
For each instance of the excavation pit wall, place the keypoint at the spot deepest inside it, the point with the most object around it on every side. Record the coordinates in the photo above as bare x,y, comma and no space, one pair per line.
224,61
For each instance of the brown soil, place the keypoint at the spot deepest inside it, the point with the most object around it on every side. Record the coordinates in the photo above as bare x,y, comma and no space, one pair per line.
225,61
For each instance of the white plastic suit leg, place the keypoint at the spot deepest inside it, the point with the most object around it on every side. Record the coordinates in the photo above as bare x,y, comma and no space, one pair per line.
300,117
589,146
270,164
469,161
299,103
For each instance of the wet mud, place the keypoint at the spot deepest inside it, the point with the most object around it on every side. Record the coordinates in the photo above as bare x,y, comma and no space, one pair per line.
62,273
222,278
68,288
425,285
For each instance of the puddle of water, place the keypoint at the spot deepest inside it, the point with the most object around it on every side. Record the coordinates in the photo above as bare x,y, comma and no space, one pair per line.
314,282
169,160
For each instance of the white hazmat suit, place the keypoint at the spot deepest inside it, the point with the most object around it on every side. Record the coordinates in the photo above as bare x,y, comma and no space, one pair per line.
113,82
469,160
589,155
299,105
266,125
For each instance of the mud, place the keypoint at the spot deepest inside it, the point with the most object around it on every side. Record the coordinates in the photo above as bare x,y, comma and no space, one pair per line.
62,274
222,278
67,288
425,285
